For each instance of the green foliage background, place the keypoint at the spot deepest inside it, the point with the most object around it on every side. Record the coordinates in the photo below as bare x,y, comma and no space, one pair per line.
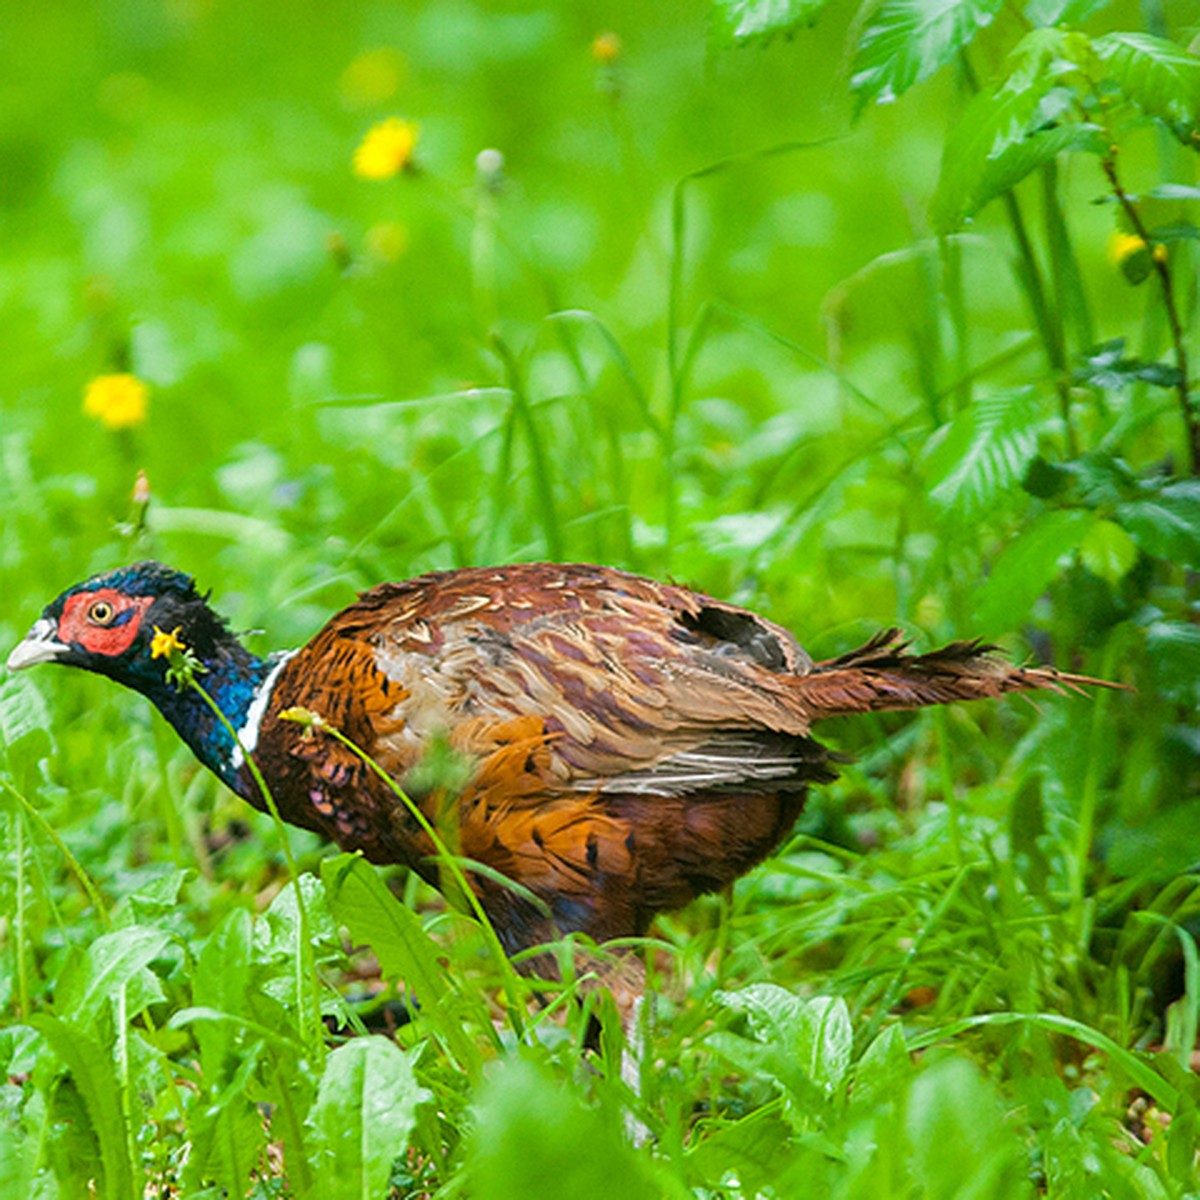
719,316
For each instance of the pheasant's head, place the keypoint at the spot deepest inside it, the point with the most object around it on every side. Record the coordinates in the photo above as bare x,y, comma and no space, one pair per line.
106,624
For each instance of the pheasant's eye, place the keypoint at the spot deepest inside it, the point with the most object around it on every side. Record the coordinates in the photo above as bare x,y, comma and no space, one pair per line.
101,613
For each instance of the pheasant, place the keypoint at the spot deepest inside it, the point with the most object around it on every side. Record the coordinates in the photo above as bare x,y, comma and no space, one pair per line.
621,745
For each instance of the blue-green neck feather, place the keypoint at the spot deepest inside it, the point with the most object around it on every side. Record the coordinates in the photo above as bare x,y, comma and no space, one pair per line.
232,684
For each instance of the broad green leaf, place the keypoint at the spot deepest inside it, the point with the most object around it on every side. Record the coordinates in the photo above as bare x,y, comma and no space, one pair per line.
152,900
1013,126
24,726
362,902
1006,169
1166,524
788,1034
995,119
18,1160
95,1076
1163,847
883,1069
984,453
23,710
1026,567
1108,551
275,935
831,1041
744,22
1174,649
908,40
533,1136
1063,12
961,1144
107,965
1161,78
221,982
755,1149
363,1116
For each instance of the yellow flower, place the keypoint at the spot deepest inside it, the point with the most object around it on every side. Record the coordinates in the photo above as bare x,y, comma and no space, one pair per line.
1122,245
116,401
387,149
606,48
372,77
163,645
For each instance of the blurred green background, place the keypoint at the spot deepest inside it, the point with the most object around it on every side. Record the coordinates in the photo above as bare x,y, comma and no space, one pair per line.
692,320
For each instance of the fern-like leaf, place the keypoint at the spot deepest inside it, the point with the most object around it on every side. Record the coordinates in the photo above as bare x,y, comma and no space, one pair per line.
984,453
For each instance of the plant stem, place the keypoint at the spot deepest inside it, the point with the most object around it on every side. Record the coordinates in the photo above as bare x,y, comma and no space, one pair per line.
305,967
21,948
1030,279
84,879
1163,271
450,861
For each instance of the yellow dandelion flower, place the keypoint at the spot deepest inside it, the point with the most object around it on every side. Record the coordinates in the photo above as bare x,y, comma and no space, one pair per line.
164,645
387,241
116,401
387,149
372,77
606,48
1160,252
1122,245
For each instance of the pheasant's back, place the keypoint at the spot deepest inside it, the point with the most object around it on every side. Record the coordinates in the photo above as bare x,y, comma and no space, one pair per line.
608,736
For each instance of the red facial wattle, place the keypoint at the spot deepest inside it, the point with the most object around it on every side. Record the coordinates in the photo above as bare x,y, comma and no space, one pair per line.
103,622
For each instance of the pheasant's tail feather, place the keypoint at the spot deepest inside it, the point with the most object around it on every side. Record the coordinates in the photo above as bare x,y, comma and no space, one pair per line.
882,675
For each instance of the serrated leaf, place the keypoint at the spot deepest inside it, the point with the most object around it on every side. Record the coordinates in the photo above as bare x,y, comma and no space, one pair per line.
1026,567
745,22
1161,78
1108,551
365,1111
908,40
1106,367
1174,649
361,901
1166,524
95,1076
984,452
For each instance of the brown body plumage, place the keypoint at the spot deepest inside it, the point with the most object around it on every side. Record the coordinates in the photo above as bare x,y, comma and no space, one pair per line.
612,745
631,744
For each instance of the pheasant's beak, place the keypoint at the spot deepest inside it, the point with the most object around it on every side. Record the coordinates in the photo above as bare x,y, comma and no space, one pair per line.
40,645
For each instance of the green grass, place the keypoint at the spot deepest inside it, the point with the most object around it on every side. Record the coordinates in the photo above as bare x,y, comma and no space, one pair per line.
706,325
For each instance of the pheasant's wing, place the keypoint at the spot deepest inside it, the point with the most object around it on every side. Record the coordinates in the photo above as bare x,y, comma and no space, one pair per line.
561,680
